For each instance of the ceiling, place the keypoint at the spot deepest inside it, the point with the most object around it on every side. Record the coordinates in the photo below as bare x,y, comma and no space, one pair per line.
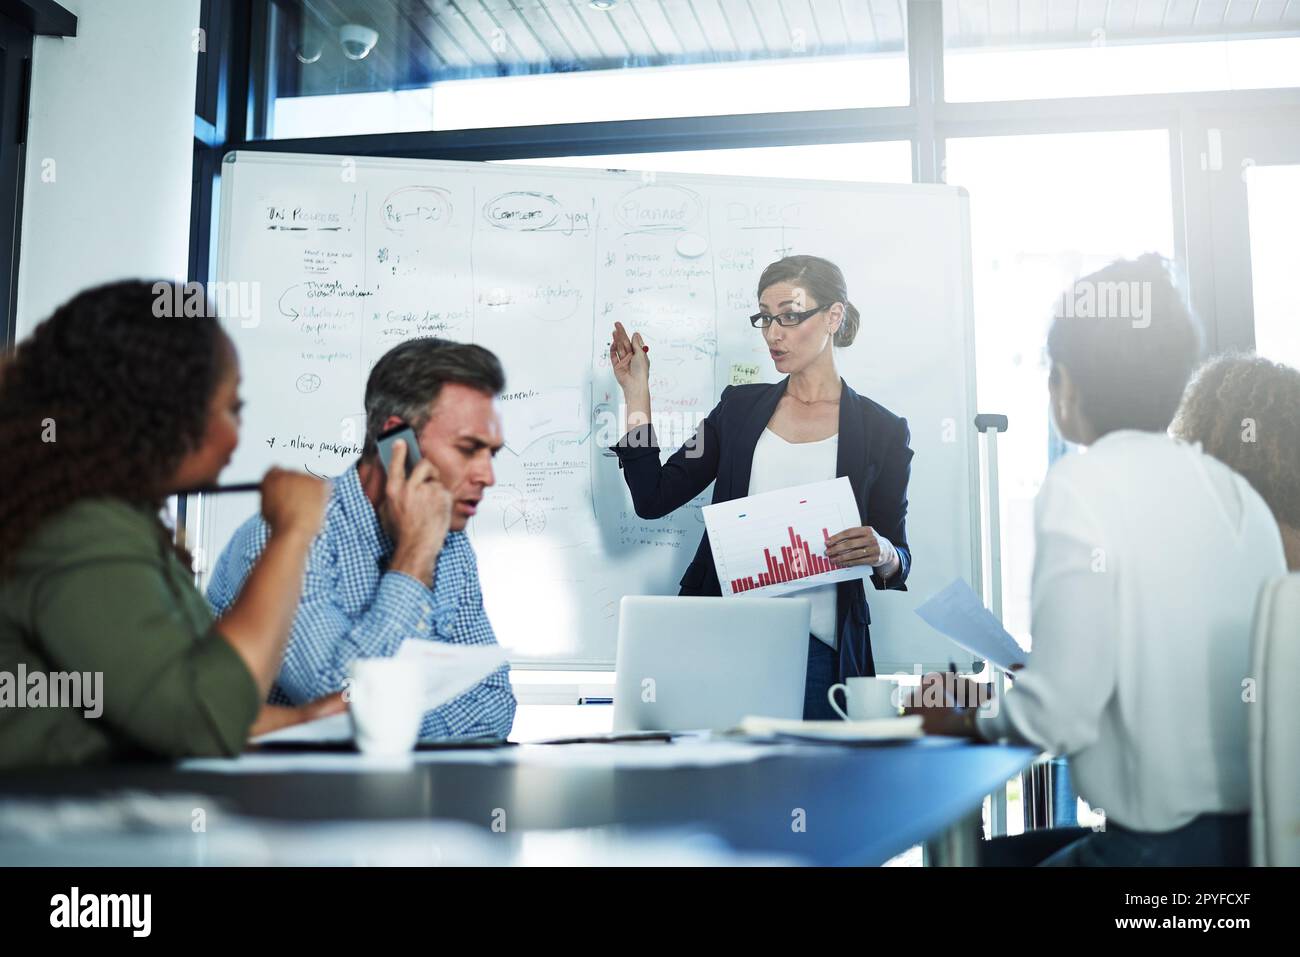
421,41
425,40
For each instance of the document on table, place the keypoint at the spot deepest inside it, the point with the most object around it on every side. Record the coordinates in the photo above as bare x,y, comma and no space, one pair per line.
775,542
449,670
958,613
683,753
833,732
307,760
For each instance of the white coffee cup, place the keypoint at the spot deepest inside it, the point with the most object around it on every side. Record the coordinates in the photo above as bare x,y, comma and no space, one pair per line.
385,702
866,699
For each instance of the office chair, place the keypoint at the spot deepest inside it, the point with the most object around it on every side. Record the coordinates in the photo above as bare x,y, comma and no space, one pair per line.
1274,726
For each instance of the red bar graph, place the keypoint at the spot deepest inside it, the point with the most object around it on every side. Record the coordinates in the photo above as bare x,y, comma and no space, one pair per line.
796,561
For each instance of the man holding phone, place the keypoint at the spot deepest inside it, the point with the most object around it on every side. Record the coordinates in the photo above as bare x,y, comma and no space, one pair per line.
392,560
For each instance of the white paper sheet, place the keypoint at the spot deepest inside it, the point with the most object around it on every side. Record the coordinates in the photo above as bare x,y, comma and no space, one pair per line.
958,613
450,670
677,754
261,762
845,732
774,543
683,753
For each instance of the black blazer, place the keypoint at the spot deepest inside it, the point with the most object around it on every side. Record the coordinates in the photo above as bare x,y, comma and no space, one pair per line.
873,453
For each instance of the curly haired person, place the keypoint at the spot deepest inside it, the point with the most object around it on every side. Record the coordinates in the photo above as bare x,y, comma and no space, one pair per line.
106,409
1245,411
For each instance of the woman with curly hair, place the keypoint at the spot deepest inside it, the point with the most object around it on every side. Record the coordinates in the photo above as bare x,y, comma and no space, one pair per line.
1245,411
105,411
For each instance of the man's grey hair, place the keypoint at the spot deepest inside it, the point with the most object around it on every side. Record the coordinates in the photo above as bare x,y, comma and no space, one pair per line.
409,377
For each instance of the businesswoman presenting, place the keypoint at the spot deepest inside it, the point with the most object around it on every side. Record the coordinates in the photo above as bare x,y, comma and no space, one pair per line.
808,427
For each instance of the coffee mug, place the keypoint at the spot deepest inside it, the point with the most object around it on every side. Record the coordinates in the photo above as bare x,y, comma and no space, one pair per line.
386,705
866,698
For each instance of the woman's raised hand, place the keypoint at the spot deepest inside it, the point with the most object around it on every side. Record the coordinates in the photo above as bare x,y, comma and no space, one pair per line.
630,360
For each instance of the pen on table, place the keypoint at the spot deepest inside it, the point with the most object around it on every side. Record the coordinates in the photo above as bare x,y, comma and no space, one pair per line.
595,701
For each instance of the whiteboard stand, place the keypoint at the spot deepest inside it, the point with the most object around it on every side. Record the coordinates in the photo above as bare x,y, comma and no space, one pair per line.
991,573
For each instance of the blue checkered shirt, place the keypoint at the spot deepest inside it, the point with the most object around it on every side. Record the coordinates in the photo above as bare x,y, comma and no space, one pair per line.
352,607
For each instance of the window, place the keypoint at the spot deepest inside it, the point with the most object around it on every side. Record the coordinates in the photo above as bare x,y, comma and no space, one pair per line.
1045,210
1041,49
481,63
1273,195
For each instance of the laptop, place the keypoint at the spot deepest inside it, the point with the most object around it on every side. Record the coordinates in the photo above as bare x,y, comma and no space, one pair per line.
694,663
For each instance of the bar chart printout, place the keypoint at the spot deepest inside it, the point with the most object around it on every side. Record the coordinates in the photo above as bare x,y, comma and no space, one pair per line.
775,542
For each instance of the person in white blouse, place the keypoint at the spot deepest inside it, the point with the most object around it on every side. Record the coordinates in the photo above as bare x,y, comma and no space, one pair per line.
1149,557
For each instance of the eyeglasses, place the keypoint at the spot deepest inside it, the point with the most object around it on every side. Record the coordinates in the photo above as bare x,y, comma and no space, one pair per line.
761,320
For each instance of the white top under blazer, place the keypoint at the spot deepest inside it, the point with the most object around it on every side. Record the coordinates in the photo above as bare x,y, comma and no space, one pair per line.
1150,556
780,464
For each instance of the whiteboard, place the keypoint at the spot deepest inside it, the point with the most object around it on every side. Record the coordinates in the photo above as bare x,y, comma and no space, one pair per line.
342,258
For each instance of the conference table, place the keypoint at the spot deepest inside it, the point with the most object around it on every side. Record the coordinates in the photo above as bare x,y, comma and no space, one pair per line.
778,802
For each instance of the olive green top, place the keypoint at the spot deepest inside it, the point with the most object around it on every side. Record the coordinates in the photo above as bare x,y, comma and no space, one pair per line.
97,589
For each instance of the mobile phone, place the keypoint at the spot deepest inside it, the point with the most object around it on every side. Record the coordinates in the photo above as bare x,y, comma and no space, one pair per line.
406,434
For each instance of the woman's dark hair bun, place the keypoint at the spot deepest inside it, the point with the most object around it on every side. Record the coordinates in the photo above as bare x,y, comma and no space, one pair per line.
848,330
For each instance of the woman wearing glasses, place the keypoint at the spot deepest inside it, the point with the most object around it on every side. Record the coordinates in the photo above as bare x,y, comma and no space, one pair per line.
810,426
